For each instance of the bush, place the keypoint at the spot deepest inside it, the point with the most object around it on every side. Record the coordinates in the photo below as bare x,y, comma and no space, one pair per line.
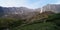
9,23
39,26
54,18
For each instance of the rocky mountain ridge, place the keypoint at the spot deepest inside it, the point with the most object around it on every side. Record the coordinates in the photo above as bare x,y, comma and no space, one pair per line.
23,12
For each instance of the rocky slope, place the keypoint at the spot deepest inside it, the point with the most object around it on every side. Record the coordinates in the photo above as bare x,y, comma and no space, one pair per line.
52,7
14,11
23,12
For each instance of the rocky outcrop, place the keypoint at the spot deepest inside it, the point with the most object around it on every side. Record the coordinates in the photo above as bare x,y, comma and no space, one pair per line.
52,7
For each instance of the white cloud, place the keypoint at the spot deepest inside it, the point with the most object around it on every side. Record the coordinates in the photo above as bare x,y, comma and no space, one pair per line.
11,3
18,3
24,3
57,2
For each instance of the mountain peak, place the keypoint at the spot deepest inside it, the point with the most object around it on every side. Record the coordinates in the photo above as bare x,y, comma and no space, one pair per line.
52,7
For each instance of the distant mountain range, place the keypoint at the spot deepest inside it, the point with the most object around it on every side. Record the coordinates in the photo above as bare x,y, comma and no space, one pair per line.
16,12
52,7
23,12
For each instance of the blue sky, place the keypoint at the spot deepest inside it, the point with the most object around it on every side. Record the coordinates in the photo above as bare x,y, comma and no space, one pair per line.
27,3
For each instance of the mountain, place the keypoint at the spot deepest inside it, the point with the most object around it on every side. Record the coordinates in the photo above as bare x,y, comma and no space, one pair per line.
23,12
52,7
15,11
1,11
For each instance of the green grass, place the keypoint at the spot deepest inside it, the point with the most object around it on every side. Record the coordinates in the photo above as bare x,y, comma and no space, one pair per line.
38,26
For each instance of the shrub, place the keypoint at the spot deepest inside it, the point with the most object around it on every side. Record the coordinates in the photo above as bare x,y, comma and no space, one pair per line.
9,23
39,26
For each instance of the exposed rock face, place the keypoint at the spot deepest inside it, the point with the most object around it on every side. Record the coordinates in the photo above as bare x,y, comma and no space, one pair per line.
23,12
52,7
1,11
14,11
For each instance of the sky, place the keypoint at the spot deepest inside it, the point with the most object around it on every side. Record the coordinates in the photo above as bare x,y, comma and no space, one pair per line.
27,3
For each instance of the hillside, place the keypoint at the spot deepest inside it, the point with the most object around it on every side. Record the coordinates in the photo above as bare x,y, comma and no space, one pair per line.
52,22
22,18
